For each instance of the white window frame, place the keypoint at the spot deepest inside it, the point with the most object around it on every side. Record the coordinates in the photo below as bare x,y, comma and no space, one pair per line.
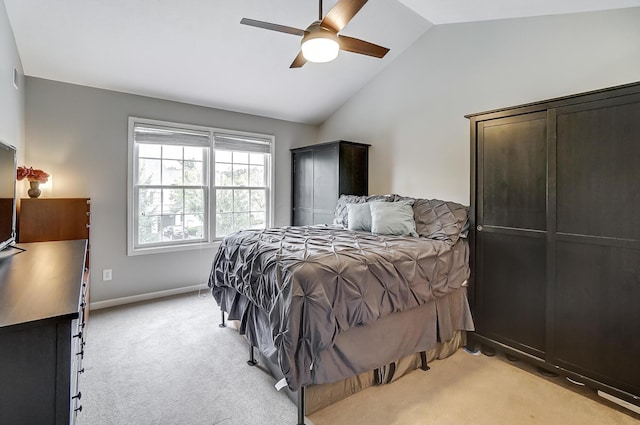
210,241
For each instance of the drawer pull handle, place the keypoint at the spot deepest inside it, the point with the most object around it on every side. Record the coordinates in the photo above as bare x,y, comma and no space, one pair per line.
479,228
81,353
77,396
78,409
78,335
81,370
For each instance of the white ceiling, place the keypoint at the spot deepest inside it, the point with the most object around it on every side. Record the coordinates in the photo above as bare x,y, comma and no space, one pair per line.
196,51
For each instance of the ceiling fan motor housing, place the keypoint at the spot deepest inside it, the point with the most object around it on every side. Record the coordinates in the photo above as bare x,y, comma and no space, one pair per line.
320,44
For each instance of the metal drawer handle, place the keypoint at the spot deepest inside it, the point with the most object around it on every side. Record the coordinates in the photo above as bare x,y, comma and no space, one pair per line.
479,228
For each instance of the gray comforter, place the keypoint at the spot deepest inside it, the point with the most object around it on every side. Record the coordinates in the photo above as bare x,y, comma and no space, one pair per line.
315,282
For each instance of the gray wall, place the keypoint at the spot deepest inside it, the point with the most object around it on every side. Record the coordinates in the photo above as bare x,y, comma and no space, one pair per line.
79,135
413,113
11,99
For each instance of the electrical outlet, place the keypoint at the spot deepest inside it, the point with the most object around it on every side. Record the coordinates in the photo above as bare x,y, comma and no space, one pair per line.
106,274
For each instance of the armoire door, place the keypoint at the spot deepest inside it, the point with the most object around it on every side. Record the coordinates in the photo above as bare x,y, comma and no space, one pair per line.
511,229
302,188
597,251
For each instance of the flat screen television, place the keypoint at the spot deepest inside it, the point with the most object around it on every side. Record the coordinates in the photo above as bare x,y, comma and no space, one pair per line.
7,195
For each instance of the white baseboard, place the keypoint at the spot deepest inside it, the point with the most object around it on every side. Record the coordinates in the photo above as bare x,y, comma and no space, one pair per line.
620,402
145,297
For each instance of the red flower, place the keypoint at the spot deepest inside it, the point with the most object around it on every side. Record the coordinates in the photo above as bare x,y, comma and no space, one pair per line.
32,175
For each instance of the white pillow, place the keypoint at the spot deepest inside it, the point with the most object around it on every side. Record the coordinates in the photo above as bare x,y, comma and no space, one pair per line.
393,218
359,217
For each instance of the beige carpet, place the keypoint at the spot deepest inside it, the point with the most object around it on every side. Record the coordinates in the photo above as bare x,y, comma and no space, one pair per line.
479,390
167,362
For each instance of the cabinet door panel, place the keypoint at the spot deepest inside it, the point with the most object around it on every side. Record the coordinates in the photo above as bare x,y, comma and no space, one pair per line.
512,289
303,181
597,319
325,179
512,162
599,152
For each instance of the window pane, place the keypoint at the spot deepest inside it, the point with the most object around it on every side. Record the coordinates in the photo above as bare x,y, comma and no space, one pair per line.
241,221
149,151
171,152
224,200
256,158
194,226
194,201
240,157
224,224
256,175
149,171
172,202
240,175
148,229
171,172
241,201
223,156
193,174
149,202
258,220
223,174
193,154
258,200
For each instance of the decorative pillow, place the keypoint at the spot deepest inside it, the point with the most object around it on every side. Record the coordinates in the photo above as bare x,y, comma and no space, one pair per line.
393,218
341,215
359,217
440,220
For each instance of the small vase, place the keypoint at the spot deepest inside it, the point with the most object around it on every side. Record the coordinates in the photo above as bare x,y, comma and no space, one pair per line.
34,190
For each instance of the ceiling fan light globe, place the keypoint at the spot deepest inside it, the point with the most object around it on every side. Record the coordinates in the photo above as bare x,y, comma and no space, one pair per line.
319,44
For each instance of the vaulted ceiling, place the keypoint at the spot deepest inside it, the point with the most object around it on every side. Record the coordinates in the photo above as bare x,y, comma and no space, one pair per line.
196,51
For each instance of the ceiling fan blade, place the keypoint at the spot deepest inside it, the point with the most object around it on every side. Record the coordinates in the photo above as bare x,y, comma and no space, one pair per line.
354,45
272,27
298,61
340,14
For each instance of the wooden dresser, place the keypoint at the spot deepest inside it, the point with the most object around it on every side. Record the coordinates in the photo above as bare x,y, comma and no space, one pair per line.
54,219
42,319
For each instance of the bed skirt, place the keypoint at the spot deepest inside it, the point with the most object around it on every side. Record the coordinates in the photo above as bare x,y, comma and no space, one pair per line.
377,353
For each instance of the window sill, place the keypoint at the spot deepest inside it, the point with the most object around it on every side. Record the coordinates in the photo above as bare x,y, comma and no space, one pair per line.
173,248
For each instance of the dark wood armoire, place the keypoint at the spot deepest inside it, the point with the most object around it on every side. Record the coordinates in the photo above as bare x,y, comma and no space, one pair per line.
555,205
321,173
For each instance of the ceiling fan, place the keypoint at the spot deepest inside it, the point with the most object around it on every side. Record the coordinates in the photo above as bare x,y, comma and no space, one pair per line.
321,41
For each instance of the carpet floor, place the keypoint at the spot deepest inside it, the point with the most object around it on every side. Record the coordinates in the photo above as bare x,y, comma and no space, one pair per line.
167,362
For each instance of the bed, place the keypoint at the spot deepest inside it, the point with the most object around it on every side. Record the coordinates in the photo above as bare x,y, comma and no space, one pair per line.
335,308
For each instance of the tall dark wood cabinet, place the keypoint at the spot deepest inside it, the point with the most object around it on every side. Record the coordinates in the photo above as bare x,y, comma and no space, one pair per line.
556,235
42,321
323,172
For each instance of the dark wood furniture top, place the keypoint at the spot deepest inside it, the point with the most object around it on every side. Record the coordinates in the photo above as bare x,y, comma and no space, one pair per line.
42,338
41,283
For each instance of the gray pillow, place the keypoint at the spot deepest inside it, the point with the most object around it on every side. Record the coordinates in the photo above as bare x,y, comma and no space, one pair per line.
341,214
440,220
393,218
359,217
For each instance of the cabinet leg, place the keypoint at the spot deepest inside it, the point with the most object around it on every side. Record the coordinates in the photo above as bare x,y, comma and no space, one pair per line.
488,351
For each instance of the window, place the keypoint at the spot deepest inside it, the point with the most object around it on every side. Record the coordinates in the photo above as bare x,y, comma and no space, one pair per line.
193,185
240,184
